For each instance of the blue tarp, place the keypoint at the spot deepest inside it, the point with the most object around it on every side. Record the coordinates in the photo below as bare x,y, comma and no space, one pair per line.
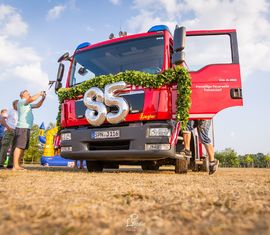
58,161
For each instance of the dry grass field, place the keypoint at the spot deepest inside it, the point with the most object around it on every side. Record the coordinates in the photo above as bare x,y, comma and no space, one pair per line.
129,201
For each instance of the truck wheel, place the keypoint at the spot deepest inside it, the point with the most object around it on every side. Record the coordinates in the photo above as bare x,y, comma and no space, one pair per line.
111,166
196,168
205,165
94,166
181,166
150,166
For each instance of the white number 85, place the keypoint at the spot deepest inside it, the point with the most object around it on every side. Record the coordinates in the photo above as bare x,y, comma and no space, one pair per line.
97,111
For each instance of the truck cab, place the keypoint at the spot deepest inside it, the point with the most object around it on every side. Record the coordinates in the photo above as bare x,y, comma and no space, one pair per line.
144,136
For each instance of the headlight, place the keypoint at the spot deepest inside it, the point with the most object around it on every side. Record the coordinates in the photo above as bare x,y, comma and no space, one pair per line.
157,147
162,131
66,136
66,149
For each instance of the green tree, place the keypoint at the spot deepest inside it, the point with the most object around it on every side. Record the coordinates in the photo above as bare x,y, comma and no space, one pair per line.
259,160
228,158
221,157
248,160
33,153
267,160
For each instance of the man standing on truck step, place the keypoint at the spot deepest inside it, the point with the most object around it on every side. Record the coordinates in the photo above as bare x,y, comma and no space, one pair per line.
7,141
203,127
25,123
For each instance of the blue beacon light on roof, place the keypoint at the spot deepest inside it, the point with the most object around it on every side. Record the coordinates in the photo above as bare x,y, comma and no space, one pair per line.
83,45
157,28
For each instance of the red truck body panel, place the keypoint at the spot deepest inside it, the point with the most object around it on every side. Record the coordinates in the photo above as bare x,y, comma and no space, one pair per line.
211,86
214,87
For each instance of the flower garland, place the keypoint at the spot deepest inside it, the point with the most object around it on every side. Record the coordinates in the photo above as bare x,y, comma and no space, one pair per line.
177,74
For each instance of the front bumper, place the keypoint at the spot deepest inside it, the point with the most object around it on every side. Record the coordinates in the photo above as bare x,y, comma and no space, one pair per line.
130,146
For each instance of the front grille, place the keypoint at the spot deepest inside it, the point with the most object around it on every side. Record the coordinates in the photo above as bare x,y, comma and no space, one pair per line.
109,145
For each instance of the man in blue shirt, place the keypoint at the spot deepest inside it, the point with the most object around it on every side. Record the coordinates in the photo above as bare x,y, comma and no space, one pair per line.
3,115
25,123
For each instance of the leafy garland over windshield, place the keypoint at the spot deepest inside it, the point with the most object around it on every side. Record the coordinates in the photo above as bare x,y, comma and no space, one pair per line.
177,74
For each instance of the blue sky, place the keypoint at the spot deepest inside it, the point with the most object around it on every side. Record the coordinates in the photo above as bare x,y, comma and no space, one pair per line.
33,34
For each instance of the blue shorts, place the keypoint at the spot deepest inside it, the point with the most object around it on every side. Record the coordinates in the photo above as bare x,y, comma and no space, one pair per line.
203,127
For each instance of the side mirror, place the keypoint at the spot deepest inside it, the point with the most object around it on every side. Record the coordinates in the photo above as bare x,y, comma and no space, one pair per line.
82,71
58,85
179,38
64,57
60,72
178,57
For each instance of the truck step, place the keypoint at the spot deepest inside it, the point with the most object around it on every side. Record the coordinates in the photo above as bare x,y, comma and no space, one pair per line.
181,156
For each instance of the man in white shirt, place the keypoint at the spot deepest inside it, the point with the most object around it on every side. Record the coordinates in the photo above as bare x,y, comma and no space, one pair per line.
10,124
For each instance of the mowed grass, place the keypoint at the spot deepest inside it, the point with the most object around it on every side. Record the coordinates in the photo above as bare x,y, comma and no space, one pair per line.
129,201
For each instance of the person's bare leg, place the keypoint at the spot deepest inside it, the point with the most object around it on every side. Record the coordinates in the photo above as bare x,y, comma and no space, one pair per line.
210,152
18,153
187,138
81,164
21,158
213,164
75,164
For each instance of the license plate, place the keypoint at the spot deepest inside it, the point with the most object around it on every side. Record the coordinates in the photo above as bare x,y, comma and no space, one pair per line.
105,134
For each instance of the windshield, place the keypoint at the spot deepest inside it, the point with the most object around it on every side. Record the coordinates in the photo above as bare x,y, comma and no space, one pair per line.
143,54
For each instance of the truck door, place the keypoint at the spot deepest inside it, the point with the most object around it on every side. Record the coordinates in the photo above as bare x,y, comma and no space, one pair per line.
213,62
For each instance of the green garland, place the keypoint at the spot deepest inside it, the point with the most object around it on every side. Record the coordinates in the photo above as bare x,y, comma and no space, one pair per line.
177,74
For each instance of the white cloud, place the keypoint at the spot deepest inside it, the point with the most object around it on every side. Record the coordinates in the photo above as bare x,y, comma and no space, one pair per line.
18,62
115,2
55,12
32,73
250,18
11,23
12,53
5,10
145,20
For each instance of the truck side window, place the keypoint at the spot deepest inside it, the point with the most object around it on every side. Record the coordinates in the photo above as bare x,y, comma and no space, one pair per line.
203,50
171,53
81,73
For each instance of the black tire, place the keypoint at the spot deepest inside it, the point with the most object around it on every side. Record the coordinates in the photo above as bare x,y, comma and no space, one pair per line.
114,166
205,165
94,166
196,168
150,166
181,166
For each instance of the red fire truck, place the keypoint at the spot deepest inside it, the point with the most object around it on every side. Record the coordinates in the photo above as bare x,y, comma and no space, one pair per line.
143,136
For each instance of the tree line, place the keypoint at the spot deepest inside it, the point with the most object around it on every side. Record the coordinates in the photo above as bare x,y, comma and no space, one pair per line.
229,158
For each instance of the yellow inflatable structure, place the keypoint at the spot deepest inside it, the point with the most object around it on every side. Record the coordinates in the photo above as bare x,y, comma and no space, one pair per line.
49,144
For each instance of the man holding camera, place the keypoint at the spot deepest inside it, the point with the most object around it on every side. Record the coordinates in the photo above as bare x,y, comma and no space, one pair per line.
25,123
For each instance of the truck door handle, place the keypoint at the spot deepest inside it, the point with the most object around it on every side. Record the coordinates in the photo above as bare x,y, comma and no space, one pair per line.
236,93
